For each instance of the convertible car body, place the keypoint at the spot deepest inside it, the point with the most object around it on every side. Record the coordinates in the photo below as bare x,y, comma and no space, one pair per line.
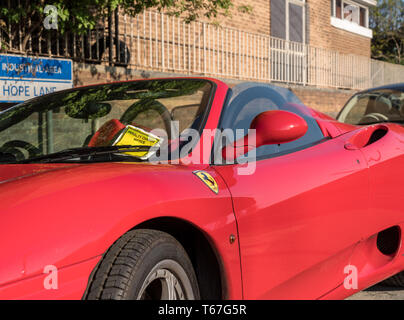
308,208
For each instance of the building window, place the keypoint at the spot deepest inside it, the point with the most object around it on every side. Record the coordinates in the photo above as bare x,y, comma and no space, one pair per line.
338,8
350,11
288,20
351,16
363,16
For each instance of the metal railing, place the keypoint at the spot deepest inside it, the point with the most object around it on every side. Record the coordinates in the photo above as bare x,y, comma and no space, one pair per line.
155,41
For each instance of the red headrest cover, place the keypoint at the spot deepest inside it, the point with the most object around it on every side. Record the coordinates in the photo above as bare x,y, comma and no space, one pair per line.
105,134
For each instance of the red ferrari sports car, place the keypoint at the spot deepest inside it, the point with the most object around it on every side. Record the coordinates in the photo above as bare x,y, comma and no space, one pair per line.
184,188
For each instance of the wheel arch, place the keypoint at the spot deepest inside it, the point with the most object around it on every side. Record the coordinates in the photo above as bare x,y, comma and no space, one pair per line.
201,250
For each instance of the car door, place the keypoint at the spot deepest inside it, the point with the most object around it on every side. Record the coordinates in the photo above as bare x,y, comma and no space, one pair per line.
299,212
383,149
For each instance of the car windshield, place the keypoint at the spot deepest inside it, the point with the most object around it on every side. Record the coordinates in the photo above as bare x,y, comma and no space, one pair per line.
384,105
146,114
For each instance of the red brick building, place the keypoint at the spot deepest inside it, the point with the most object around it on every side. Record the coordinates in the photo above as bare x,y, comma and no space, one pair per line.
341,25
315,47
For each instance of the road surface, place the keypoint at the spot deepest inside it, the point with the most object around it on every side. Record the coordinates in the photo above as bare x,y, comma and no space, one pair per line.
379,292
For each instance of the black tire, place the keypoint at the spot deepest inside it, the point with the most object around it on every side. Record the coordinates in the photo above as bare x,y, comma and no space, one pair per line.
395,281
144,264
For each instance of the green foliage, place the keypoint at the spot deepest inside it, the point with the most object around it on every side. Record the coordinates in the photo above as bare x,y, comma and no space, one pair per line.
79,16
387,22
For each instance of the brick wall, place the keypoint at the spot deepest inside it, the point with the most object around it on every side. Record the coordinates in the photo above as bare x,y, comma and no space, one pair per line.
164,43
329,101
320,31
258,21
322,34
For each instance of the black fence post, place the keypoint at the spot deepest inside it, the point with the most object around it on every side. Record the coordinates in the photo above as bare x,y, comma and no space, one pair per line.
110,40
117,49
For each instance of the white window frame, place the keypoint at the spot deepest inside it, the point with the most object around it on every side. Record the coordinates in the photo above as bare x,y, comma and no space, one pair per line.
301,3
351,26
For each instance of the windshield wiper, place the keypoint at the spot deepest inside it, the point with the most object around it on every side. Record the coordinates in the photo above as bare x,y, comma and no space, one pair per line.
88,152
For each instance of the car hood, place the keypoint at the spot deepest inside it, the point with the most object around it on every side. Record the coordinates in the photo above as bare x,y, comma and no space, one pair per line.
57,174
26,182
11,172
54,205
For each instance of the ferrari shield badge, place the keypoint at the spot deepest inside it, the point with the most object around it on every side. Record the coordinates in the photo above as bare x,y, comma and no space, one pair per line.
208,180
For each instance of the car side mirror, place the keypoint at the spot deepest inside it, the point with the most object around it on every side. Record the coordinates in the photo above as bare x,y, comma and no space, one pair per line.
277,127
270,127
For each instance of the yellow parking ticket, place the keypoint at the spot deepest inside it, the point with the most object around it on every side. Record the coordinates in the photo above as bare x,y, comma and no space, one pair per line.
134,136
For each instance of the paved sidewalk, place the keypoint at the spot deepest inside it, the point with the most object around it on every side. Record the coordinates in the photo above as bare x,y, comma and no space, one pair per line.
379,292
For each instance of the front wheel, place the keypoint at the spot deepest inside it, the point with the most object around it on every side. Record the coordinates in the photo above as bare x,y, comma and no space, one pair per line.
144,265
